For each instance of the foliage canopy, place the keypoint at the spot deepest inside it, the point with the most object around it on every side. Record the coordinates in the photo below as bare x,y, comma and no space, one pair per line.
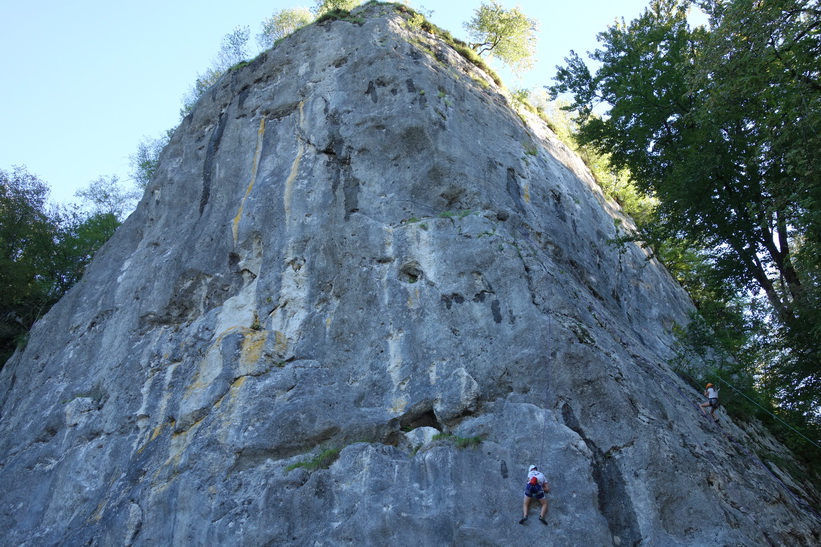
321,7
722,126
43,250
281,24
233,50
508,35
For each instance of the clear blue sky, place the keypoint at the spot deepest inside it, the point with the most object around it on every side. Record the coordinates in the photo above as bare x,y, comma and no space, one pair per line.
83,81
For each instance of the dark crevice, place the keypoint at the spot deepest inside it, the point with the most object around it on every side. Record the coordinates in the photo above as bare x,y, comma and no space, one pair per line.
411,272
614,502
514,190
557,205
495,308
421,418
450,299
372,92
208,166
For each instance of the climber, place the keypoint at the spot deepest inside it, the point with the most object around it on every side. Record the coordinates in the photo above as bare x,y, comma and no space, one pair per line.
536,487
712,400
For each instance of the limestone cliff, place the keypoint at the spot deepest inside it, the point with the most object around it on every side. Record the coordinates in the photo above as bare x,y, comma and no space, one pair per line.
356,245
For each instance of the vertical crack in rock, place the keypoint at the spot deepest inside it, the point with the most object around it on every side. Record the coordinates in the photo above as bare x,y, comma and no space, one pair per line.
208,166
557,205
351,193
254,169
289,182
614,501
513,189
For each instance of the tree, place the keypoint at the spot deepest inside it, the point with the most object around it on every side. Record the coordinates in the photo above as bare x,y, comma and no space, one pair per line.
78,238
508,35
26,239
760,68
281,24
324,6
43,250
144,162
105,196
616,185
722,126
26,236
233,50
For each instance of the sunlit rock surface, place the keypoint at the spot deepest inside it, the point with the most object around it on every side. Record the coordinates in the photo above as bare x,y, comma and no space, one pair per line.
355,245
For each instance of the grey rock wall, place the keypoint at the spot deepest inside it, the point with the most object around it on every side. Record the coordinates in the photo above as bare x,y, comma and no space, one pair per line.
355,244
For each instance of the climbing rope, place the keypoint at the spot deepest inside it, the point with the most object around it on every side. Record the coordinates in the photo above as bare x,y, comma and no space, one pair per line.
719,470
542,454
797,499
715,465
731,386
537,249
800,501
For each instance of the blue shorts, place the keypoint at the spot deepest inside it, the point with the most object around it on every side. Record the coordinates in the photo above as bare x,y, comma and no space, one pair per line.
534,491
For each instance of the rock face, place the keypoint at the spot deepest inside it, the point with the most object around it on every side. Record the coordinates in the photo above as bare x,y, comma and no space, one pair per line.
355,247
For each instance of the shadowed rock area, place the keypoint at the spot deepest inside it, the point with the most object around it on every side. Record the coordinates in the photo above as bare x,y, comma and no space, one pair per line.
354,247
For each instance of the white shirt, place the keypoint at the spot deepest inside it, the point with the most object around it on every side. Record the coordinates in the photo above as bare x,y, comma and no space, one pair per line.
711,393
536,473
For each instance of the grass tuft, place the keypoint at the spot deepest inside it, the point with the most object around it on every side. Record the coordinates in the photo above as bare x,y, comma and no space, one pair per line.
323,460
460,442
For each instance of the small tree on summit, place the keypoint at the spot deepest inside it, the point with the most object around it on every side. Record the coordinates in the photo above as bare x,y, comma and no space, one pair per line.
508,35
281,24
233,50
324,6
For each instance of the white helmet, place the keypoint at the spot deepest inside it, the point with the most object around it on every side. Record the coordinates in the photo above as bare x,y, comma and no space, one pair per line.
531,468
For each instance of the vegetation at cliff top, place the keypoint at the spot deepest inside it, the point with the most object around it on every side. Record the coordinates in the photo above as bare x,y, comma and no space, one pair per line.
507,34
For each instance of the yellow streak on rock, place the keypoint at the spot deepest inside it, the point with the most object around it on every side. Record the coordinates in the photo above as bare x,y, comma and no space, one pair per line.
237,384
155,433
98,514
254,168
281,342
252,345
527,193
